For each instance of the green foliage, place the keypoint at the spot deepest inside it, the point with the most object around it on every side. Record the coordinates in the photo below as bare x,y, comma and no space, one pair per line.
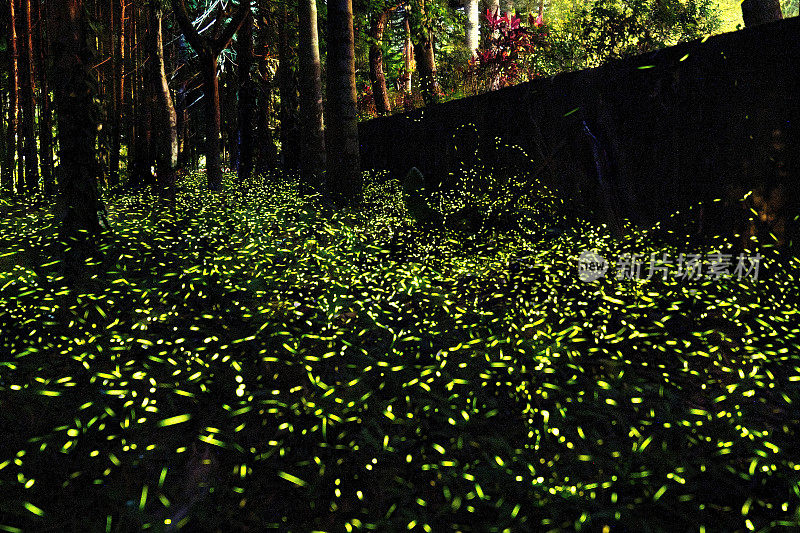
617,30
590,35
575,35
245,360
790,8
446,26
507,43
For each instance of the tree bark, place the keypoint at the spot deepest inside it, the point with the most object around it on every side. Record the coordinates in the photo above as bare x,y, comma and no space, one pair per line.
101,72
424,54
246,102
343,158
267,148
164,115
376,75
141,172
311,114
129,98
29,102
208,50
13,108
408,64
181,102
183,124
230,128
208,66
287,81
473,27
760,11
3,131
118,89
74,99
45,124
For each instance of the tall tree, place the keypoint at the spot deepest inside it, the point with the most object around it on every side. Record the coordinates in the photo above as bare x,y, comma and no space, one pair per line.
141,173
130,27
423,51
208,50
29,101
760,11
45,121
311,115
74,99
246,104
287,82
3,136
408,62
266,34
7,181
164,115
343,158
182,103
377,77
102,71
472,27
118,89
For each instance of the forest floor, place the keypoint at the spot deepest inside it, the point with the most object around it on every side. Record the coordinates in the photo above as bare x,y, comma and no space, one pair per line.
243,360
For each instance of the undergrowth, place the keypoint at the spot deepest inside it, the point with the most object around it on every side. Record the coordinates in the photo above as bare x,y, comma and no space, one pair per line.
246,360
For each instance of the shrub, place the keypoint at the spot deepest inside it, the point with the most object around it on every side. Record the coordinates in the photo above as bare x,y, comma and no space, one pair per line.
591,35
505,49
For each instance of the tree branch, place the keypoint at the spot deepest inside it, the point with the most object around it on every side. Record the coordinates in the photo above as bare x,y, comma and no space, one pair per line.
238,19
197,41
218,20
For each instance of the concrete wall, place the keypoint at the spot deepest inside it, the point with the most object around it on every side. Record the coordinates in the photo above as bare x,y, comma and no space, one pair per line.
693,122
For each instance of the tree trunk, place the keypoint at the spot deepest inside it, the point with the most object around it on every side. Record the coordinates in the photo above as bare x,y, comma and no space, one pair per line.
208,66
131,91
408,64
45,121
101,73
311,114
164,115
3,132
246,105
230,127
287,81
473,27
376,74
13,108
181,102
142,173
760,11
183,125
267,148
74,93
424,55
29,102
208,50
118,90
343,159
